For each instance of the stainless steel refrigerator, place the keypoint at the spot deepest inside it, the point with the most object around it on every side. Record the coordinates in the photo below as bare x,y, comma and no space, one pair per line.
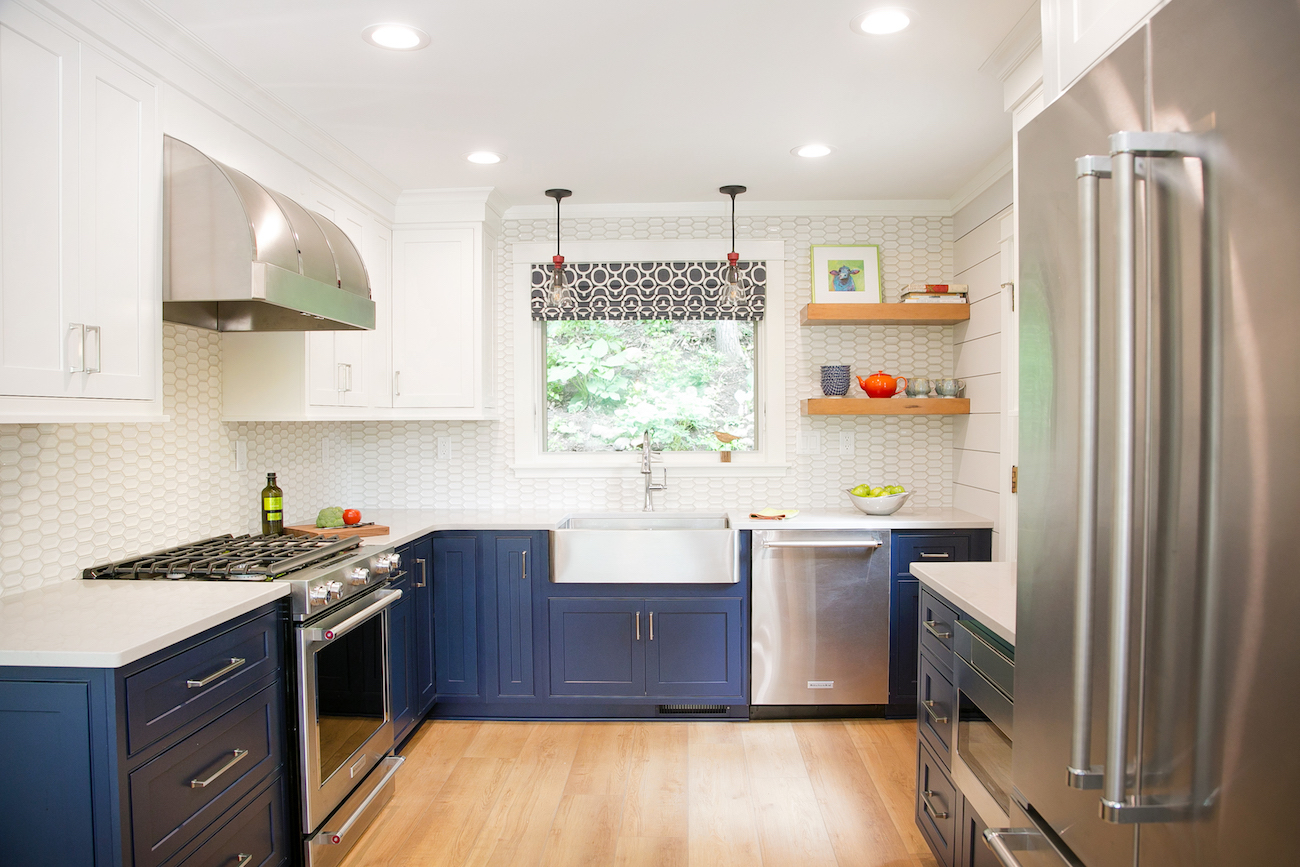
1157,691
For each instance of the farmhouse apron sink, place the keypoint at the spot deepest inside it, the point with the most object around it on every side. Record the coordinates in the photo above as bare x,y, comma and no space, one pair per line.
645,548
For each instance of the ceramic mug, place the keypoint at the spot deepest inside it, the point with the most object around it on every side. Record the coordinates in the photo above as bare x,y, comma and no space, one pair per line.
918,386
949,387
835,380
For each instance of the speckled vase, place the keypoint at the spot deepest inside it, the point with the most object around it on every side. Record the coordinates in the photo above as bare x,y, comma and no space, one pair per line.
835,380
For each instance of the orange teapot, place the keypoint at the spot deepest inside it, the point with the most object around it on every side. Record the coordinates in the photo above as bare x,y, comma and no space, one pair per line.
882,384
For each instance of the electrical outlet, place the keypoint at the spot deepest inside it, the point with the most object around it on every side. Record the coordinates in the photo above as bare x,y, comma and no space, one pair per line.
809,442
241,456
444,448
847,442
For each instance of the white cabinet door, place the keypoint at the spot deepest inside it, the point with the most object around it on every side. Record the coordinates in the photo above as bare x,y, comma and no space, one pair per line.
40,323
1078,33
338,360
437,318
121,176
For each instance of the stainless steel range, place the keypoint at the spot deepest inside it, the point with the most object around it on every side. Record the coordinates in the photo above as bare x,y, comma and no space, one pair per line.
339,599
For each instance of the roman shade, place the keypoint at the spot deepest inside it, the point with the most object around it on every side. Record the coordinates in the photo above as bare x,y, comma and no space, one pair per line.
650,290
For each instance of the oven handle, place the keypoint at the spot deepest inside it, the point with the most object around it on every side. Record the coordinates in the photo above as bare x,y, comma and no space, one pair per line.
1005,842
383,599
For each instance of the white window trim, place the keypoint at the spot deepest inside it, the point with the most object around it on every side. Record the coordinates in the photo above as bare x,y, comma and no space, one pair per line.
530,411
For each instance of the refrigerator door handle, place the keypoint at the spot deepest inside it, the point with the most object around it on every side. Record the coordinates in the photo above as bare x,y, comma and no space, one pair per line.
1126,147
1090,170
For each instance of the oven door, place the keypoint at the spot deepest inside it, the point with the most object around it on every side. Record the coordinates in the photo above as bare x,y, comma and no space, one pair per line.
985,715
344,709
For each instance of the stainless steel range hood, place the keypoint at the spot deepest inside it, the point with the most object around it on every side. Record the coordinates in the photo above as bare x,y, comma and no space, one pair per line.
240,257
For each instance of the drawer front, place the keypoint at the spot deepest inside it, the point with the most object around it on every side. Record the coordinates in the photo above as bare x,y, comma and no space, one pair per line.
255,837
175,796
931,549
936,806
178,690
935,710
938,626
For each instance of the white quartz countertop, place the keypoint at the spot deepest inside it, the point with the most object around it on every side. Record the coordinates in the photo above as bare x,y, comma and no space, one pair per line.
985,591
107,624
409,524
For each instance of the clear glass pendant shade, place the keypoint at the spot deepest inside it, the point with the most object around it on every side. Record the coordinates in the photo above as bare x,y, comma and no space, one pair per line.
560,294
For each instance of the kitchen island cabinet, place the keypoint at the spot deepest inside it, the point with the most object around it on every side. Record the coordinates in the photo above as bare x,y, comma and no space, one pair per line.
178,757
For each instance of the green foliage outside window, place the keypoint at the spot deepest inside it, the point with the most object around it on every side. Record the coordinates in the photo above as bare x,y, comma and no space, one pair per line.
607,381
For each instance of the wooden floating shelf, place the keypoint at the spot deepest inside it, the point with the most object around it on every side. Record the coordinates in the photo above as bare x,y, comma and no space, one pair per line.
885,406
938,313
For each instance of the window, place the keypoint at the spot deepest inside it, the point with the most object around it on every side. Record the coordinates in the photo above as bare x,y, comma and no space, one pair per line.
607,381
575,398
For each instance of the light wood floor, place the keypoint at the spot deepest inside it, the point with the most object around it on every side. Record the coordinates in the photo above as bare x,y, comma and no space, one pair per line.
657,794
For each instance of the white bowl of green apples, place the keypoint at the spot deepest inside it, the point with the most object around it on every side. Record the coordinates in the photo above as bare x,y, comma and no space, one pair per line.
878,500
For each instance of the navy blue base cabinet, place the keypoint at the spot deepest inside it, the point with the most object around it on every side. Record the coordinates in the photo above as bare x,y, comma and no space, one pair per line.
509,644
908,547
99,763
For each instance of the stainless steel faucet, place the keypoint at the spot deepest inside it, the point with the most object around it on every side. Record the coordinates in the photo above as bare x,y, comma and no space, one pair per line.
648,455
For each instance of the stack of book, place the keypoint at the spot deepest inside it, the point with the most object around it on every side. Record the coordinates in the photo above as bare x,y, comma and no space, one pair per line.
935,293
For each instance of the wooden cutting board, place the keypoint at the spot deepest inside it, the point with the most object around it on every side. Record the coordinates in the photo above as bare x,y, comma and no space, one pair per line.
313,530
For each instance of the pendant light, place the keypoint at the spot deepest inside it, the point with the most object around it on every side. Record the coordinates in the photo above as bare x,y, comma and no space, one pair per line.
734,286
559,294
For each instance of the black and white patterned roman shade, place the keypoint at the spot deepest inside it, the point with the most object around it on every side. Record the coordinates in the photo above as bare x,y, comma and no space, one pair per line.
650,290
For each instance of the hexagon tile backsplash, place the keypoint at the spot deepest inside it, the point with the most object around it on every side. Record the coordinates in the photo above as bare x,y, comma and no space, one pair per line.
73,496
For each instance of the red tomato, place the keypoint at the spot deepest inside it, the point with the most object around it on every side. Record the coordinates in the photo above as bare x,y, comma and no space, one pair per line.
351,516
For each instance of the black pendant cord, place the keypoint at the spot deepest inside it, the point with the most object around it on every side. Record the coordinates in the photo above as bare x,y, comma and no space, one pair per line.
557,225
732,190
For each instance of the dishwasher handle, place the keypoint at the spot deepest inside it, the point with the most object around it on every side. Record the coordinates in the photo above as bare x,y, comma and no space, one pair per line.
825,543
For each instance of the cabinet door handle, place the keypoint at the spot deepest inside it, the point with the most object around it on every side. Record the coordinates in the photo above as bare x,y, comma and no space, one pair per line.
81,344
638,626
424,571
99,349
929,709
523,564
929,808
340,383
238,757
932,556
397,383
244,860
929,627
652,626
349,367
235,662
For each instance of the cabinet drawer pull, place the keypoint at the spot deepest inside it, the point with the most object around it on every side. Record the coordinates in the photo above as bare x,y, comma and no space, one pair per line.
230,763
244,860
638,626
930,628
929,808
929,709
235,662
424,571
931,556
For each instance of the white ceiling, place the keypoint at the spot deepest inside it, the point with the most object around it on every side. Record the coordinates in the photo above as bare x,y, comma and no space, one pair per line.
636,102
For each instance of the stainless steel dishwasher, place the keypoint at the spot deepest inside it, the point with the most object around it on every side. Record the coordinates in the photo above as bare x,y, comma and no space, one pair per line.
821,617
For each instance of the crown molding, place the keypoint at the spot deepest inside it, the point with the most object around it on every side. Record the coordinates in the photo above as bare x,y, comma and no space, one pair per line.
451,204
1017,45
846,208
983,179
118,25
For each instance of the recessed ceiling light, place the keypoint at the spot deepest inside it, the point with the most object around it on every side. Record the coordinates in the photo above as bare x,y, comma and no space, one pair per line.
398,37
881,22
811,151
484,158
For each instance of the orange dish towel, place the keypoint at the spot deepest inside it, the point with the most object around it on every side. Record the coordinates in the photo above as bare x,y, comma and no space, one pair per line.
770,514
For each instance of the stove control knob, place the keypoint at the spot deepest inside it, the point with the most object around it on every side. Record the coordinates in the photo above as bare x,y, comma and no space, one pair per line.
358,576
335,589
395,561
318,595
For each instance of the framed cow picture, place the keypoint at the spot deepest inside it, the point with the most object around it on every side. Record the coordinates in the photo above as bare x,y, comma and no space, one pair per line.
846,274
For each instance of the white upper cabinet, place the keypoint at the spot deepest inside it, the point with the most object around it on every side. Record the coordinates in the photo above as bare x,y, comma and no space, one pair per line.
1078,33
431,353
80,167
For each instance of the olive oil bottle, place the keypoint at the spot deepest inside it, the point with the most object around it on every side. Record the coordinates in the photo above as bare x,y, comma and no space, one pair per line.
272,508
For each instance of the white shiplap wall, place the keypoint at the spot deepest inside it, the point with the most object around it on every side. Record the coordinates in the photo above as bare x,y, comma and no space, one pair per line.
978,260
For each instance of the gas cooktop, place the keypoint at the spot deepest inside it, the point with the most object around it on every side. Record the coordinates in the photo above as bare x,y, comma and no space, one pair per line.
229,558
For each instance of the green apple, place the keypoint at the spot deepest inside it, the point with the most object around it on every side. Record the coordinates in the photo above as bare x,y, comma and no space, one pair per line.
877,492
861,491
